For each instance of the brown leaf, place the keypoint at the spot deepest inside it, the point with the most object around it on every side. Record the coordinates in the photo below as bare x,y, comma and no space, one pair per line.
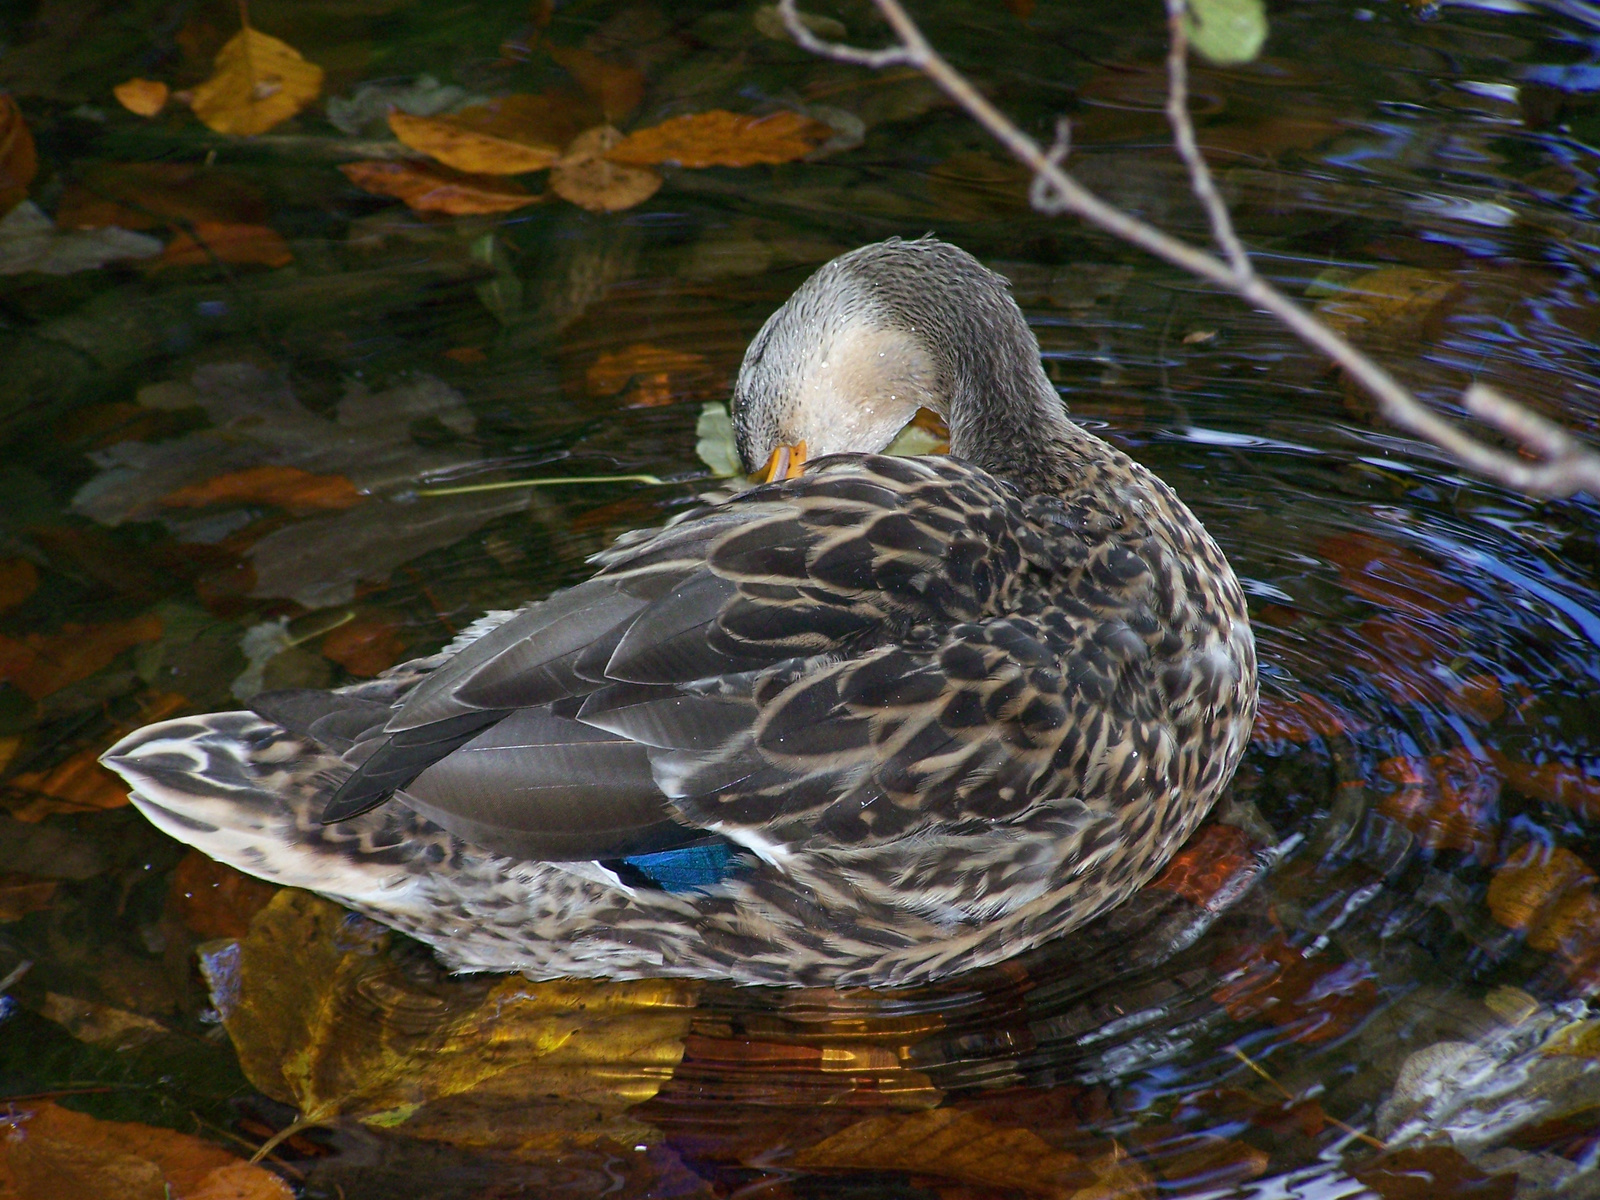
953,1144
429,188
1314,999
19,162
54,1153
366,645
1394,302
143,97
1390,575
1558,783
509,136
286,487
1279,719
214,900
79,783
615,88
144,195
100,1024
322,1017
1207,864
259,82
211,241
1526,889
24,894
722,139
1450,802
19,578
42,663
650,374
1432,1173
588,178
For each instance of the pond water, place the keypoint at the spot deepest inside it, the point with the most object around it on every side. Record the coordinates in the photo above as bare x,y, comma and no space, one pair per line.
225,469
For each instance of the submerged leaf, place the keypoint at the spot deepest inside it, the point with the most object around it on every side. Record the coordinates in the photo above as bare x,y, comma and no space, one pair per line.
211,241
615,88
722,139
428,188
142,97
18,580
286,487
79,783
259,82
587,177
651,375
509,136
41,663
19,161
1226,31
30,241
324,1018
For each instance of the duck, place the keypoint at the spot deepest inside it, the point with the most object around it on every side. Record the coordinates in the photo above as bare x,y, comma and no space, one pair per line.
873,722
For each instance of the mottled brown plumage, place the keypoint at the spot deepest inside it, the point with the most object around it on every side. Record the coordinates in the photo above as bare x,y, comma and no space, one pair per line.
917,714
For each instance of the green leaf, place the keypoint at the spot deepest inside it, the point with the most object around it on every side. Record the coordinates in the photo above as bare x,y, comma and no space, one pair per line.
1227,31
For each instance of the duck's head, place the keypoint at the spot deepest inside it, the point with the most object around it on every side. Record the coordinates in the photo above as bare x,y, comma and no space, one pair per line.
882,331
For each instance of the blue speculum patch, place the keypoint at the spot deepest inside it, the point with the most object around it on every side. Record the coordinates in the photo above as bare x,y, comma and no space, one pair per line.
687,867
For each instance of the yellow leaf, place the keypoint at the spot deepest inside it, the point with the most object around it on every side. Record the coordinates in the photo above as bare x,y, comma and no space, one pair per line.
19,162
427,188
259,82
1392,301
324,1018
508,136
144,97
722,139
588,178
1528,886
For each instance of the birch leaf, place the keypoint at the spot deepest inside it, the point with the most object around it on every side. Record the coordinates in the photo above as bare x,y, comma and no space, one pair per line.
259,82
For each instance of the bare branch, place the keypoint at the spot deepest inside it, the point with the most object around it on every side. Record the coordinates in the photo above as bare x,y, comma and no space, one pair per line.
1560,464
1200,181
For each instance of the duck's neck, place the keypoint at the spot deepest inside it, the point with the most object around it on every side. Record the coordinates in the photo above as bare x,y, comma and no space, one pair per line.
1005,416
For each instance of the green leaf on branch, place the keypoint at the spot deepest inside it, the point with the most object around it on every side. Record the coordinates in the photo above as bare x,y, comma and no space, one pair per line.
1226,31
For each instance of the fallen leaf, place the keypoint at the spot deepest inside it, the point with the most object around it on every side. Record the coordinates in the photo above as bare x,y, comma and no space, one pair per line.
1391,576
617,89
370,643
1313,999
259,82
950,1143
24,894
146,195
428,188
79,783
213,900
100,1024
19,578
1527,888
1210,1163
651,375
322,1017
1432,1173
41,663
1393,302
722,139
211,242
509,136
1279,719
1570,786
142,97
1227,32
587,177
1450,802
1207,870
30,241
286,487
54,1153
19,161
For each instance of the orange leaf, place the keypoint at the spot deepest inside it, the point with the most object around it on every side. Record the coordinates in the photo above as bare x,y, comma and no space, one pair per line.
1527,887
18,580
19,162
616,89
43,663
214,900
286,487
141,195
587,178
1555,782
1314,998
722,139
428,188
79,783
508,136
1278,719
53,1153
1208,862
649,370
230,243
1390,575
1450,802
366,645
23,894
144,97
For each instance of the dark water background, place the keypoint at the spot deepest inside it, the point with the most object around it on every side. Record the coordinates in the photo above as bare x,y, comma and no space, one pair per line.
1408,855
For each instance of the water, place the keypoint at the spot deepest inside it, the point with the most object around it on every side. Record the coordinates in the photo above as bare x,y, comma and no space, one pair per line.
1404,866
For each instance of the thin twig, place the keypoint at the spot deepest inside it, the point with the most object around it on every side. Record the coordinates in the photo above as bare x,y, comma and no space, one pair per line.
1559,465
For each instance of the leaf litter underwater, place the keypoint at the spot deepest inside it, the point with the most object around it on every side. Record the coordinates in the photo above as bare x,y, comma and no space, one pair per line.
270,335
